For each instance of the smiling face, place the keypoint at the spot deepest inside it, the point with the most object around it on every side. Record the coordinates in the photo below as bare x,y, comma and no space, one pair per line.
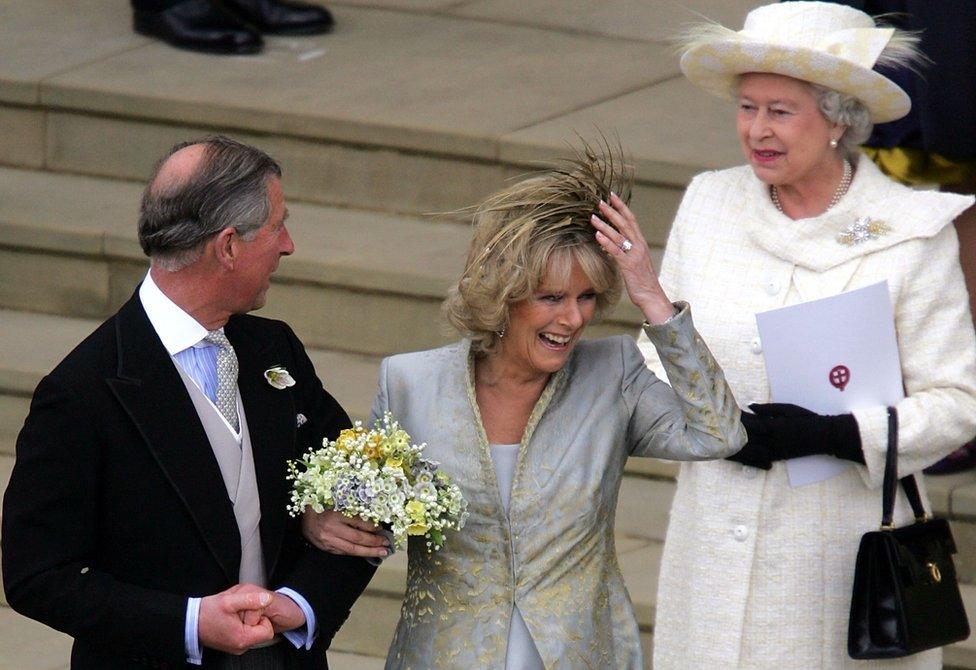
544,328
783,134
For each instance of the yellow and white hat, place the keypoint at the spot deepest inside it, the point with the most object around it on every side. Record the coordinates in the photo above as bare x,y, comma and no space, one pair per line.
819,42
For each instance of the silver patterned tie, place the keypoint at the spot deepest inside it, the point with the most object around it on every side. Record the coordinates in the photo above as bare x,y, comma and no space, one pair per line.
226,376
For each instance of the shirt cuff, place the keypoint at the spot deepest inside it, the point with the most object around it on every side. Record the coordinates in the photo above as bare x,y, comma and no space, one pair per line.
303,636
191,633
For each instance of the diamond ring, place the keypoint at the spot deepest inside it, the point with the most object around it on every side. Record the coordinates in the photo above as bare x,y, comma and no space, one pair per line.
626,245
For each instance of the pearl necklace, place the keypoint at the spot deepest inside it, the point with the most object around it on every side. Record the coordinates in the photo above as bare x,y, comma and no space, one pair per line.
842,188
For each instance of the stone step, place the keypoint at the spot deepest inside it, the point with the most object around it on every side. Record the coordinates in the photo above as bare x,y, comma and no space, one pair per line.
339,660
28,645
406,106
359,281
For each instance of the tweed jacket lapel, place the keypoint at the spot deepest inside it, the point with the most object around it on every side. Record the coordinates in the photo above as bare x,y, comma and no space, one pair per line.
150,389
813,243
271,421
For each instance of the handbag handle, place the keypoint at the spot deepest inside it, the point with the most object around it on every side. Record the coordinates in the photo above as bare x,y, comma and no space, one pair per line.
890,485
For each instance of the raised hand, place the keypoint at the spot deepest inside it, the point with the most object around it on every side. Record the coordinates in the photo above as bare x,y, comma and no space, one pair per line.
234,620
625,242
337,534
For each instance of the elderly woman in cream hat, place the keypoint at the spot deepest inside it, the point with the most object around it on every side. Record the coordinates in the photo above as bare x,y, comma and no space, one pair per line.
757,573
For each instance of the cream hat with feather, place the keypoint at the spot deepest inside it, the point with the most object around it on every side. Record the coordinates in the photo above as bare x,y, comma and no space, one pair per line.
818,42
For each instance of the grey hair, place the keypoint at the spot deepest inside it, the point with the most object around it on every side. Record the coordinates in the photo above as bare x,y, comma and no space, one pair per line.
901,52
844,110
228,189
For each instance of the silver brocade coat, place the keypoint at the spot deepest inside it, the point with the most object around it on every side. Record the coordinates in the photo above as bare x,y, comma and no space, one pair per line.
757,574
554,557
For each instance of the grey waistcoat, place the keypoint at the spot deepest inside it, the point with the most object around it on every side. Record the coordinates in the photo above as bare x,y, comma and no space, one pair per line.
237,468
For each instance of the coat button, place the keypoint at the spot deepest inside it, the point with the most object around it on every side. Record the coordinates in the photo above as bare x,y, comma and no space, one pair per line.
771,286
740,532
756,345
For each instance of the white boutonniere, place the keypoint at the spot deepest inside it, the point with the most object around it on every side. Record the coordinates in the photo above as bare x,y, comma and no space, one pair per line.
279,377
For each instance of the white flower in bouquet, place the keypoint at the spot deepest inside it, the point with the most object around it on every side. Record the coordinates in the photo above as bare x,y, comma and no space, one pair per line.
380,476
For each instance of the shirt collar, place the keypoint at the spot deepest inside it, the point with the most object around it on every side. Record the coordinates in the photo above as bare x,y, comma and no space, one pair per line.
176,329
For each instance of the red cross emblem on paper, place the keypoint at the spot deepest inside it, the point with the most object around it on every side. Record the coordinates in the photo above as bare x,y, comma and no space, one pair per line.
840,375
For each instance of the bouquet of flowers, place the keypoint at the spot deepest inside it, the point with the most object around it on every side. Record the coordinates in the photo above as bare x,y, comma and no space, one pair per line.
380,476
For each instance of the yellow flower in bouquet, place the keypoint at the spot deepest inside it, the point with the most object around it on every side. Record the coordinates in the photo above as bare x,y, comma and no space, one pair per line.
416,510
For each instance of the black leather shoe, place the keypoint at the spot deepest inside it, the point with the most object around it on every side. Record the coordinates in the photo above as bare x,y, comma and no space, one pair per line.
198,25
280,17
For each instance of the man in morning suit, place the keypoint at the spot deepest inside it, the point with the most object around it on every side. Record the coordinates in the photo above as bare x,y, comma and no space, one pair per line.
146,512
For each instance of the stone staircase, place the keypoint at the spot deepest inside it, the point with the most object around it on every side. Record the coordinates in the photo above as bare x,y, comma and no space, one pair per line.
410,111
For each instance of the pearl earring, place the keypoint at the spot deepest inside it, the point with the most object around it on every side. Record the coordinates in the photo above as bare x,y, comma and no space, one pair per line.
833,143
500,333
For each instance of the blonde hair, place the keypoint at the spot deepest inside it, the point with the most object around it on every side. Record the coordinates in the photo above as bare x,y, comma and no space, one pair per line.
532,230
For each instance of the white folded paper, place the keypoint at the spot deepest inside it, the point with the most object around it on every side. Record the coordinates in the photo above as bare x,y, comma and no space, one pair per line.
832,356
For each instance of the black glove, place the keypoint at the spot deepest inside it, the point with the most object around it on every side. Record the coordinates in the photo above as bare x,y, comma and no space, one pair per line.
778,431
754,454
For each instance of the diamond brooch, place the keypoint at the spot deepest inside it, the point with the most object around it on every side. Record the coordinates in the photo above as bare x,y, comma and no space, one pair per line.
862,230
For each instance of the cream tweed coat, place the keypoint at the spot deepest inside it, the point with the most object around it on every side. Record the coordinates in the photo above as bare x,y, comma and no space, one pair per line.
756,574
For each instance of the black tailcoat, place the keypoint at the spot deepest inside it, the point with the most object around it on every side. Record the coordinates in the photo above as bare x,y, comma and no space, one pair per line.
116,510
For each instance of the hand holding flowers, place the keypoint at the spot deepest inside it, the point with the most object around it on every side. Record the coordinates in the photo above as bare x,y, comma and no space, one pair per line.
380,477
336,533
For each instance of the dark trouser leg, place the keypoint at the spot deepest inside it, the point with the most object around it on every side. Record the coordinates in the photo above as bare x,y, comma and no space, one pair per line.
267,658
152,5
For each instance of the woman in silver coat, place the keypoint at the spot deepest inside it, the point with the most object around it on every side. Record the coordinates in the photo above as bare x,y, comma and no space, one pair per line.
535,425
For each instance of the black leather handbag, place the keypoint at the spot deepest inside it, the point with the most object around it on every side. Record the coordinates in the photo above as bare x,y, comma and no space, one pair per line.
905,597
